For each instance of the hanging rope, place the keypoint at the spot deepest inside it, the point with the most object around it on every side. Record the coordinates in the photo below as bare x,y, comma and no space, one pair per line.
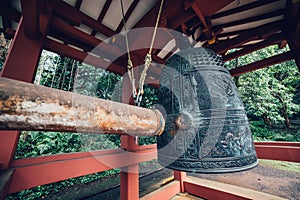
129,62
148,59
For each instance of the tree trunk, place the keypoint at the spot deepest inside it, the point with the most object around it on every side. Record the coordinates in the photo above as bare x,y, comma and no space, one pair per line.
266,119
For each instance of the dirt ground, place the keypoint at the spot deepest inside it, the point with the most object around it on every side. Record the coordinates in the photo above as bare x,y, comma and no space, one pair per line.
273,177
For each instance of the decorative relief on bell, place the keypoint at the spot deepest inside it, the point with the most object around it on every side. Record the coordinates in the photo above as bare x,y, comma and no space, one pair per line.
206,126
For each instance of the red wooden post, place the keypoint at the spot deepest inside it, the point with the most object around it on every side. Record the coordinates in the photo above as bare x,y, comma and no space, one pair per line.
180,176
129,176
20,64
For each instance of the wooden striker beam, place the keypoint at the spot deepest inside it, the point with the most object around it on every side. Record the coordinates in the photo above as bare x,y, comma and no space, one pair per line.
31,107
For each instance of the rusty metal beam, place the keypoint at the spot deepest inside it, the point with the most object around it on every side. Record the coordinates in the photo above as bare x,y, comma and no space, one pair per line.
262,63
31,107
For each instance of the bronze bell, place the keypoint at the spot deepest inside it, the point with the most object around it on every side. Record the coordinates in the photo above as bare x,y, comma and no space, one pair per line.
207,129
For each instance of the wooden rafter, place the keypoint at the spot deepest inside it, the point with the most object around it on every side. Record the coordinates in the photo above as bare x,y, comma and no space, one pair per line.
81,36
127,15
256,33
262,63
274,39
208,8
102,14
81,56
242,8
182,18
73,16
255,18
78,4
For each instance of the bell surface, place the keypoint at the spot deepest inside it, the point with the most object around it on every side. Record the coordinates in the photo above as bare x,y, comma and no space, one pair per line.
206,130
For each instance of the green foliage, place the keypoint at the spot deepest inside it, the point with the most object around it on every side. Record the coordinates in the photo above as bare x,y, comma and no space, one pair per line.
4,46
269,93
37,143
262,132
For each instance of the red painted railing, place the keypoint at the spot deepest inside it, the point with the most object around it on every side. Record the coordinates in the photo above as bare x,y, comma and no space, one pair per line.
31,172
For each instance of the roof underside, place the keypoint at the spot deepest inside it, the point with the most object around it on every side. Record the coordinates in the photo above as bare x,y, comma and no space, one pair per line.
76,27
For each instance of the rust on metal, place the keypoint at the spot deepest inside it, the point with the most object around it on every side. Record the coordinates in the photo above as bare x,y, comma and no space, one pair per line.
25,106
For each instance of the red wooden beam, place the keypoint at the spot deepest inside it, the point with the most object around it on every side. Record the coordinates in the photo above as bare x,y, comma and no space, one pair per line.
208,192
199,13
78,4
81,56
274,39
31,172
129,176
208,189
129,182
166,192
102,14
256,33
76,17
19,55
181,18
20,64
208,8
255,18
285,151
31,16
242,8
9,141
127,15
262,63
181,177
106,50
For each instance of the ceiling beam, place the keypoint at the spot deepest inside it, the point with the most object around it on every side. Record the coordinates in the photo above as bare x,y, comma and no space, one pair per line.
78,4
224,46
102,14
262,63
81,56
31,16
293,29
210,7
127,15
254,18
106,50
76,17
274,39
242,8
199,13
181,18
